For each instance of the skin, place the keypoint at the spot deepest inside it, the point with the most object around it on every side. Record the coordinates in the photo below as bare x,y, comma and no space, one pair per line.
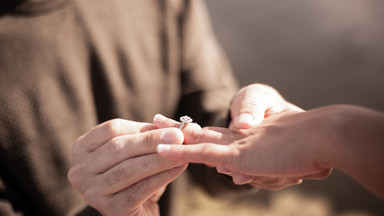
304,145
253,103
250,106
117,170
116,166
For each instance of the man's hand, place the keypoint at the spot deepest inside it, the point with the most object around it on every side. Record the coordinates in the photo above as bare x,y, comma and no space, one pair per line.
117,170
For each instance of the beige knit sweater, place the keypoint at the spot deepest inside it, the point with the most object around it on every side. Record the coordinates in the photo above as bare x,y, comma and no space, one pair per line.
67,65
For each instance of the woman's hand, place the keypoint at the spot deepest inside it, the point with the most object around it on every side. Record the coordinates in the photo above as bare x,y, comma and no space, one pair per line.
253,103
269,156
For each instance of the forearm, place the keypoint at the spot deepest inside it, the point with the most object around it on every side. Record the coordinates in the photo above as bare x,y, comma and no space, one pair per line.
356,145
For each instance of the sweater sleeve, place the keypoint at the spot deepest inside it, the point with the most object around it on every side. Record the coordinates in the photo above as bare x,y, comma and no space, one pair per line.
207,79
208,86
6,196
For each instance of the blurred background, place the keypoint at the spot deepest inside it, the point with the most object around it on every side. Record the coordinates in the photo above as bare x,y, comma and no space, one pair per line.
315,53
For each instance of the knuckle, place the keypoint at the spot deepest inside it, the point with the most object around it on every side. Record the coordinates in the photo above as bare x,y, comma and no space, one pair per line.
196,136
78,178
113,127
74,176
116,145
148,164
146,189
192,127
77,147
250,105
147,139
147,127
71,176
115,176
234,158
205,152
131,197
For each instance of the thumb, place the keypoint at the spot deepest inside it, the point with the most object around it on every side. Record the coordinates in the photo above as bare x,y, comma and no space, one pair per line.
250,104
247,120
247,111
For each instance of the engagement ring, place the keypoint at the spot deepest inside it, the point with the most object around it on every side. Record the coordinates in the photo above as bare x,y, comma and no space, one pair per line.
185,120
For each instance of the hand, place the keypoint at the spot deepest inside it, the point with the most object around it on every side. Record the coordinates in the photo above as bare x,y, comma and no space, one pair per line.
255,102
268,156
117,170
249,107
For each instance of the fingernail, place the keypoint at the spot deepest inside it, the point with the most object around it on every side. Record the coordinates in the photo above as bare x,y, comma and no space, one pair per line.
159,118
171,136
163,148
258,119
241,179
244,119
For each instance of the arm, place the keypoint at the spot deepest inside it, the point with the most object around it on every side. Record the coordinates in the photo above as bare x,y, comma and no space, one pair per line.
358,146
297,145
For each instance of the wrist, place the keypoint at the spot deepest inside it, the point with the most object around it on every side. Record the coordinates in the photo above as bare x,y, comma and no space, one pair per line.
329,139
350,134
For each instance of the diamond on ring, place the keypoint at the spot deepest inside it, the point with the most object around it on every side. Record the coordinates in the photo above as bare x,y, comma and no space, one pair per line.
185,120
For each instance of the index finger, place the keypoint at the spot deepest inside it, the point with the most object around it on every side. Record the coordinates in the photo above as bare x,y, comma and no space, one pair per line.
108,130
206,153
193,133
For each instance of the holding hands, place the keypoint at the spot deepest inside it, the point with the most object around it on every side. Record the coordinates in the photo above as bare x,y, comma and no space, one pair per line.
267,156
288,145
246,152
118,171
122,167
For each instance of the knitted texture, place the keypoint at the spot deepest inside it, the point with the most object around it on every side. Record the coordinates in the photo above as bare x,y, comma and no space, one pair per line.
66,66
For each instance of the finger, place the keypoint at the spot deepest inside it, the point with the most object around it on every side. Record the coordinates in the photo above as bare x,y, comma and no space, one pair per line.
273,184
193,133
216,135
161,121
285,107
137,194
245,120
318,175
210,154
249,106
223,170
123,147
241,179
131,171
108,130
